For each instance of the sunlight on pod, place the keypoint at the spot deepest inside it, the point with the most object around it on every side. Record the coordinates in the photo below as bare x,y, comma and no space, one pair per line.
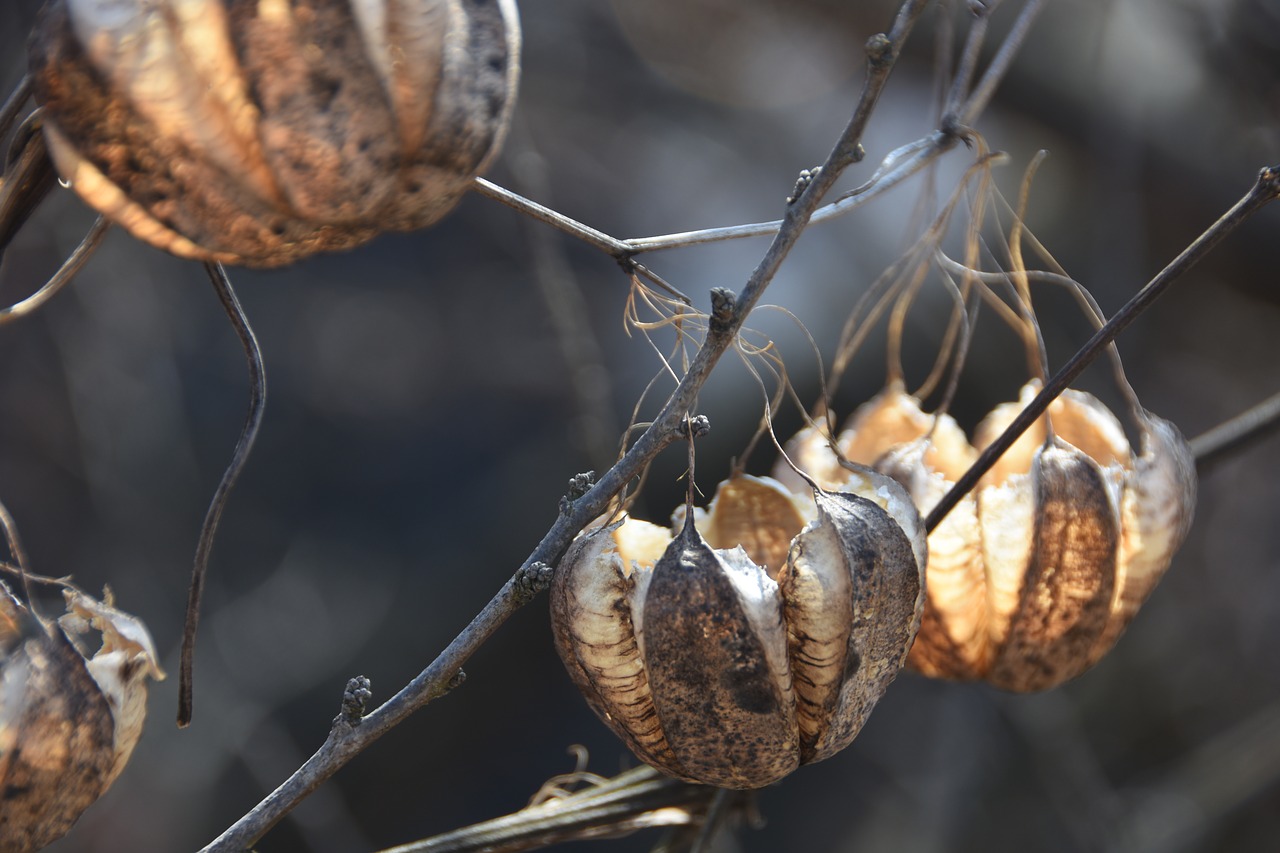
69,716
253,132
753,638
1036,573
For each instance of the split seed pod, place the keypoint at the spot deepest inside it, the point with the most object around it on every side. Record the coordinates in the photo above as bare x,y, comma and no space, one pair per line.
69,717
258,132
756,638
1036,573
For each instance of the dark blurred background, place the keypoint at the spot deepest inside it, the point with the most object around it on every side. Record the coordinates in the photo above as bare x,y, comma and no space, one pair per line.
424,419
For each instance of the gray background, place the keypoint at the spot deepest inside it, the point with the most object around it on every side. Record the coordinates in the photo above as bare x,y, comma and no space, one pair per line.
422,424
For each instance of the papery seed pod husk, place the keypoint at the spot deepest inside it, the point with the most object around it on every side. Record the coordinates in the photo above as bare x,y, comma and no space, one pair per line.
756,638
1036,573
258,132
69,720
926,454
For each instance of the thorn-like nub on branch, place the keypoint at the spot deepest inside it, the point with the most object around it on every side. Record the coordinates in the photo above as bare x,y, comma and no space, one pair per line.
724,308
802,183
355,698
696,427
1270,180
532,579
455,681
879,49
579,485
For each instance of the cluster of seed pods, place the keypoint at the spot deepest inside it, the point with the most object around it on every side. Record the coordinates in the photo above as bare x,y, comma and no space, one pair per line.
756,636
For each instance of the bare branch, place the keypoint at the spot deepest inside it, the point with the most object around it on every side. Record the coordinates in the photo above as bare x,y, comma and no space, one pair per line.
346,740
636,799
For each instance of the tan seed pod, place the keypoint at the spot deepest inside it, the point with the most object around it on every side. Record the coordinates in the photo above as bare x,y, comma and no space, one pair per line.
926,454
69,718
1035,574
258,132
754,639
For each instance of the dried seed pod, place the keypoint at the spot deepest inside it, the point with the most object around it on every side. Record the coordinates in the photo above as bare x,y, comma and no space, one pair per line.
1034,575
260,131
756,638
69,720
926,454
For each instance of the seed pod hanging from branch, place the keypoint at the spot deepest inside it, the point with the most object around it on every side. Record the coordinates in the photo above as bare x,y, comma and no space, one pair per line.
754,639
258,132
1034,575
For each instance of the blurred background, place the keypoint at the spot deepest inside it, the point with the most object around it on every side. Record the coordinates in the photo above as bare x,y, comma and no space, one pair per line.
431,394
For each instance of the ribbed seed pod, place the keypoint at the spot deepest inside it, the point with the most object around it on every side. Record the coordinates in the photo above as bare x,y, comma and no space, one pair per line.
754,639
258,132
1036,573
69,717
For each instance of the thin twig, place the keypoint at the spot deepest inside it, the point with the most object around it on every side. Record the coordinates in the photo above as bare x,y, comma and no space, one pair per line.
28,176
968,65
901,164
12,541
986,88
636,799
1212,444
602,241
62,277
1266,189
347,738
257,404
13,105
897,166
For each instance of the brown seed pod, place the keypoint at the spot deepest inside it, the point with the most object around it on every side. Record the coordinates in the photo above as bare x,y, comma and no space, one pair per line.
755,639
69,718
258,132
1035,574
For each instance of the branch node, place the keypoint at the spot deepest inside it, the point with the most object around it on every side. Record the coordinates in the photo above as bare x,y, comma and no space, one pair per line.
724,310
579,485
879,50
355,698
1269,179
695,427
802,183
531,580
455,681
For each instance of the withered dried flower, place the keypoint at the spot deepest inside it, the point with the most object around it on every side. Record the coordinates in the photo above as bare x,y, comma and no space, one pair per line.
755,639
69,717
